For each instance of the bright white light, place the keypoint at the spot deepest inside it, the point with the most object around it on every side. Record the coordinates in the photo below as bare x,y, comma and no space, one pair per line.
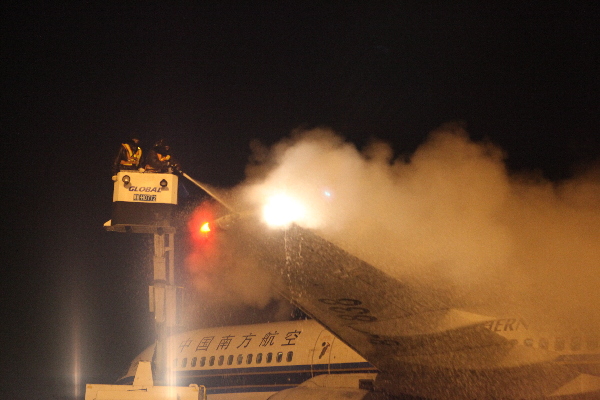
281,210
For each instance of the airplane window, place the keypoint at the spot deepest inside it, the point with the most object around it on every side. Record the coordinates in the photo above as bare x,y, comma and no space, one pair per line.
289,356
543,344
279,356
239,359
203,361
259,358
269,357
559,345
221,359
230,359
194,360
184,362
211,361
592,342
249,359
576,343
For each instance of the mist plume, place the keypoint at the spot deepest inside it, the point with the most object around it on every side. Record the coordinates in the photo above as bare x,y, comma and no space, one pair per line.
449,217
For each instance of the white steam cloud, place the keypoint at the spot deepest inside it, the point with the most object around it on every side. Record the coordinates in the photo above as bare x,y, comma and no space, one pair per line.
449,217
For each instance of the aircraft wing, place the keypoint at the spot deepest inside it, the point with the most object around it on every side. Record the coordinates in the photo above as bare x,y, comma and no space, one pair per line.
421,345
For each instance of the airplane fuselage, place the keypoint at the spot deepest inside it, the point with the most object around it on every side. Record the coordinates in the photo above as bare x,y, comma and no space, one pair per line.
260,360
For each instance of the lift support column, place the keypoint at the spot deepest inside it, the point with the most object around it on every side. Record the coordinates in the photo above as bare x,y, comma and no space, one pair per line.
163,301
144,203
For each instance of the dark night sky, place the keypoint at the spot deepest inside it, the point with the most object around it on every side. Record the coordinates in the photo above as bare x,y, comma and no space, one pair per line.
77,79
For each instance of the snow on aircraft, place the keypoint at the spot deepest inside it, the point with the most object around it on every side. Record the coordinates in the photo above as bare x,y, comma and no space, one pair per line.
372,337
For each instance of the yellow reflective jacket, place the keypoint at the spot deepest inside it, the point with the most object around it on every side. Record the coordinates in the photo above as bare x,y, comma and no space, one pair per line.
132,158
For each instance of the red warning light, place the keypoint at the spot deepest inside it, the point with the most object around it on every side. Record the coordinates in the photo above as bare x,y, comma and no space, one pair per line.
200,223
205,228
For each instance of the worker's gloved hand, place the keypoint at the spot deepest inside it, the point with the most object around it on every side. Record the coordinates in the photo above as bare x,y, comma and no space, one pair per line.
114,178
141,170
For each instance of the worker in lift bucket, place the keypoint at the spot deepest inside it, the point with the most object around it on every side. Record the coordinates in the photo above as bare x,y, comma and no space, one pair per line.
129,156
159,159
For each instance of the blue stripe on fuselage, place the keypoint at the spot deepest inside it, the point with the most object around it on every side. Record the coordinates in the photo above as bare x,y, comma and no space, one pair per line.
579,358
260,379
